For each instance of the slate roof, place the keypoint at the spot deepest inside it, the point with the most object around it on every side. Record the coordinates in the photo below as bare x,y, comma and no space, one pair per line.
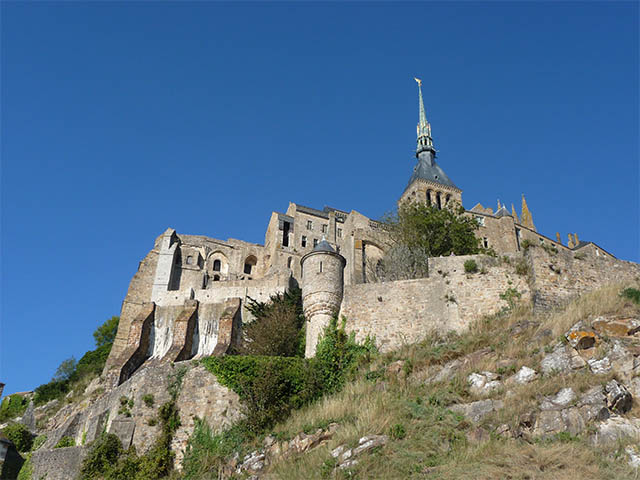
428,169
323,246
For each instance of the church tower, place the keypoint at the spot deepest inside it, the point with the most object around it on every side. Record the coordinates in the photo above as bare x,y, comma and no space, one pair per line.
429,183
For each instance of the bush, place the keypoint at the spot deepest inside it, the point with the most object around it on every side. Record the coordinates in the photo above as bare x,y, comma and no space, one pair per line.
50,391
632,294
38,442
20,436
338,355
65,442
102,456
92,362
105,334
13,406
207,451
470,266
269,386
277,328
397,431
147,399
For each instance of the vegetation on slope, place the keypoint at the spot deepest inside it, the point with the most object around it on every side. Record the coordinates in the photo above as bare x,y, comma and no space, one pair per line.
426,438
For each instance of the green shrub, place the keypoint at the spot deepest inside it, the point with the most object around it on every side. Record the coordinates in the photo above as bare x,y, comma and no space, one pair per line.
92,362
26,472
277,328
13,406
632,294
510,295
147,399
38,442
525,244
338,355
269,386
207,451
580,256
20,436
470,266
65,442
397,431
102,457
50,391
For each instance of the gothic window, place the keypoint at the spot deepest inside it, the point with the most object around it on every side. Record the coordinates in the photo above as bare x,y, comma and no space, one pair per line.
303,242
429,198
439,200
216,265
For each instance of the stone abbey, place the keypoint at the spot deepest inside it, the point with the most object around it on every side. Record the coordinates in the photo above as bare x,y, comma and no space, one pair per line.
188,297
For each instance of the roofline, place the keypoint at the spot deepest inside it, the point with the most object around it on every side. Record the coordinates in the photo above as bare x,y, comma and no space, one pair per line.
429,182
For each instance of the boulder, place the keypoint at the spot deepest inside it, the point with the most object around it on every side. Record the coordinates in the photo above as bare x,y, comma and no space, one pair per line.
601,366
619,399
616,428
476,411
523,376
616,326
563,359
483,383
581,339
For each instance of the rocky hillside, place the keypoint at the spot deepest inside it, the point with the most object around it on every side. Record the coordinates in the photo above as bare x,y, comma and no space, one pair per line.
522,395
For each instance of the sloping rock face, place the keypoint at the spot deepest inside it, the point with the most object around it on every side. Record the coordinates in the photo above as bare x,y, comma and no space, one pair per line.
130,412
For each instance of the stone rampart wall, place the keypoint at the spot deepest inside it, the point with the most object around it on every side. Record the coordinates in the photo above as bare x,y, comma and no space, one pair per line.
405,312
559,277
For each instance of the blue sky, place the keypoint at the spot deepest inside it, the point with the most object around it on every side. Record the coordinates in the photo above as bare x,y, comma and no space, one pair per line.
122,119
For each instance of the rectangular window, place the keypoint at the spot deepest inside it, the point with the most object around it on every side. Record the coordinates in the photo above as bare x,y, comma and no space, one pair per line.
315,242
325,228
480,220
339,233
285,234
485,242
303,242
309,225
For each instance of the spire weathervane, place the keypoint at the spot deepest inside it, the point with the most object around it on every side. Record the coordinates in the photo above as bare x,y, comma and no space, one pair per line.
424,129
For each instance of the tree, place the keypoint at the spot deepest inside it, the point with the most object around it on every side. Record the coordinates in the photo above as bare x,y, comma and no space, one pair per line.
106,333
65,370
277,326
419,231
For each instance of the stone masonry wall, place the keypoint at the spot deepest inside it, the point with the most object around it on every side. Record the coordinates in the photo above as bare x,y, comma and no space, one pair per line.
559,277
405,312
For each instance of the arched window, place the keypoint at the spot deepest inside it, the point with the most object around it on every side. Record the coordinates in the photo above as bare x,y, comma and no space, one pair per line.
249,264
216,265
429,198
439,200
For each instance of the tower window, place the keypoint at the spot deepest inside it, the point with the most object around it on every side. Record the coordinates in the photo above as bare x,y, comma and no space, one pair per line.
216,265
303,241
285,234
320,267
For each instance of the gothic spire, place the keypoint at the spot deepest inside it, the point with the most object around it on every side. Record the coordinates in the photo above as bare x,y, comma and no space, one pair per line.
526,218
424,129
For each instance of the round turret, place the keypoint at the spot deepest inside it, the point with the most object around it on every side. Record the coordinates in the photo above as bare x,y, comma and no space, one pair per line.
322,287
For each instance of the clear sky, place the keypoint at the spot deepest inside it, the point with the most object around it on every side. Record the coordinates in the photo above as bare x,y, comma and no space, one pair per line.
122,119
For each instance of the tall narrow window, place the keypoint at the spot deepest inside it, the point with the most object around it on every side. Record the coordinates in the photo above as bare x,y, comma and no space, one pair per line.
309,225
303,242
320,267
325,228
485,242
285,234
249,264
339,232
289,262
216,265
315,242
439,200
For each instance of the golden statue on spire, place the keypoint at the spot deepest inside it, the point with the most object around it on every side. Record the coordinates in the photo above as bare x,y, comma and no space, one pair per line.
418,80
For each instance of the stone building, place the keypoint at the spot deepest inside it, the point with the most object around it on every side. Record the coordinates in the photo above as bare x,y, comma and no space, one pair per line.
188,297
